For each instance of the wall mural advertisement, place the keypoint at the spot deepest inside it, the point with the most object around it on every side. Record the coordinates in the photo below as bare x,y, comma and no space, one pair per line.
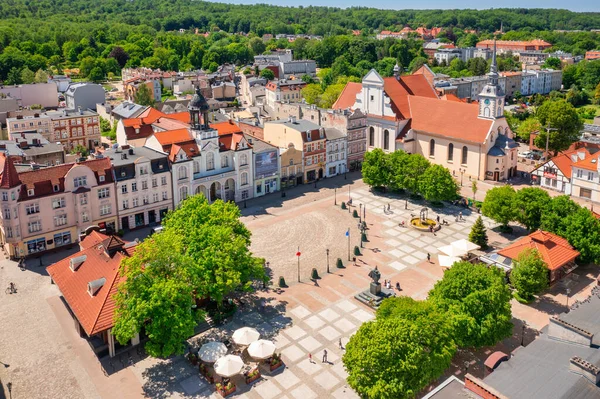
265,164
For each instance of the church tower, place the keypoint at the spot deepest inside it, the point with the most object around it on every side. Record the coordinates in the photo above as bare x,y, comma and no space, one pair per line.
198,109
491,98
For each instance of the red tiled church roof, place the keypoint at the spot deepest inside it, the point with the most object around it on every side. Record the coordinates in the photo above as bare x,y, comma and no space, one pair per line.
555,250
347,97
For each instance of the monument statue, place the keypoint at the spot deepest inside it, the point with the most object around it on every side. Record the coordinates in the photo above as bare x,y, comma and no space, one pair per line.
375,275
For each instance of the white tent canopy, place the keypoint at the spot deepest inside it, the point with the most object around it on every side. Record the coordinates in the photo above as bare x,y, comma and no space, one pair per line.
261,349
452,251
212,351
448,261
229,365
459,248
245,336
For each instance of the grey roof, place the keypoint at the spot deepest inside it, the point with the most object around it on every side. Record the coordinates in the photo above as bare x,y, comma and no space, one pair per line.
333,134
451,388
257,144
138,152
586,317
11,148
496,152
299,124
70,113
128,110
48,148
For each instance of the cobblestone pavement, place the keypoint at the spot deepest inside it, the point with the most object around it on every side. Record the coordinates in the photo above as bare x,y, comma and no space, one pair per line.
47,359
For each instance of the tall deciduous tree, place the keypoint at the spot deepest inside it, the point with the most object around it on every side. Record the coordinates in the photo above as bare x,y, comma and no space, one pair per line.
416,165
41,76
529,275
437,184
267,74
498,204
397,358
562,116
312,93
582,230
119,54
557,212
143,96
477,302
529,206
157,295
478,234
375,168
528,126
397,164
27,76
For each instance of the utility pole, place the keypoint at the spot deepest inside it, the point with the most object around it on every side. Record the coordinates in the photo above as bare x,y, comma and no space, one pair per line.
548,130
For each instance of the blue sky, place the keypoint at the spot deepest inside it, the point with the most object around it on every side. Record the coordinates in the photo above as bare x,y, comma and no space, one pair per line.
574,5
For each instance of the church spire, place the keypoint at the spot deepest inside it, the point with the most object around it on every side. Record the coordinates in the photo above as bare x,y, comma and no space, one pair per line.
493,74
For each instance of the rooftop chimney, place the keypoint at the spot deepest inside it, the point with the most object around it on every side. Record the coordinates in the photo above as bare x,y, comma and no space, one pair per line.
585,368
79,110
94,286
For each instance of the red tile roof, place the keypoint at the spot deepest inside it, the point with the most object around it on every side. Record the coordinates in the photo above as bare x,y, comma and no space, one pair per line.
166,123
9,177
183,116
564,161
398,95
589,163
230,141
226,127
418,85
92,239
94,312
347,97
173,136
555,250
448,118
43,180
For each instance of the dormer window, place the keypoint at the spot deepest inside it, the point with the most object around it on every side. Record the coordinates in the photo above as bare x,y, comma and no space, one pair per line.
101,178
75,263
94,286
80,181
30,192
56,188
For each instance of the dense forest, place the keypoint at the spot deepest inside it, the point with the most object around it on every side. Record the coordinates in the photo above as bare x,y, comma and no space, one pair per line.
101,37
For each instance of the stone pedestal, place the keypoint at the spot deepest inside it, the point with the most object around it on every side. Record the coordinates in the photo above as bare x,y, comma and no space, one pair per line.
375,289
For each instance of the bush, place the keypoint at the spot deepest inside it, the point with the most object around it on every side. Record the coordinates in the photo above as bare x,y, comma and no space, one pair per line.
355,213
339,264
363,237
314,274
282,283
357,251
343,205
529,275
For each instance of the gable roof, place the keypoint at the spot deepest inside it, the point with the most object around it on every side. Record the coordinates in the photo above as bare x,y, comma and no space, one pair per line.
173,136
564,161
448,118
418,85
226,127
94,312
398,95
8,173
589,163
347,97
555,250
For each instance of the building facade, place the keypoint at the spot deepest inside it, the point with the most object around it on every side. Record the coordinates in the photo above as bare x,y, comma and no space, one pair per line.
51,207
265,159
337,155
284,91
84,95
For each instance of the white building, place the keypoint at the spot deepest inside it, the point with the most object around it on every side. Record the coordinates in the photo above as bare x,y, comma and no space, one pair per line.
556,173
267,170
336,155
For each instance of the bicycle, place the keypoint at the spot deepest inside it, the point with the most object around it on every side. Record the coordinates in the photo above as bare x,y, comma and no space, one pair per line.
12,289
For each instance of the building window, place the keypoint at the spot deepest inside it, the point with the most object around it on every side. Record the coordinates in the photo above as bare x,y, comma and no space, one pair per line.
585,193
6,213
37,245
33,227
155,197
58,203
590,176
101,178
103,193
579,173
62,239
196,167
135,202
4,196
124,189
183,192
165,195
244,178
210,161
225,162
125,204
163,180
80,181
432,148
105,210
143,170
450,152
9,232
386,139
30,209
243,160
154,183
60,220
145,185
133,187
371,136
83,199
245,194
465,154
182,173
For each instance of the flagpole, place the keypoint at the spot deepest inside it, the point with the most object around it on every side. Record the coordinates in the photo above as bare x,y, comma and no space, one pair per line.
348,234
298,263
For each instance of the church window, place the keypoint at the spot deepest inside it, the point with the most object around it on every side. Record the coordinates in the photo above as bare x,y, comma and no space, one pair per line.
432,148
386,140
450,152
371,136
465,153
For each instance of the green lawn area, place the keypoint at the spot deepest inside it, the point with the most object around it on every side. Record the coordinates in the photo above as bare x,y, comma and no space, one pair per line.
594,106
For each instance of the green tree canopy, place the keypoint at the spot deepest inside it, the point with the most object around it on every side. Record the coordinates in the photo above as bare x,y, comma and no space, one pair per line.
375,168
477,302
143,96
41,76
437,184
27,76
498,204
397,358
397,164
478,234
562,116
530,204
267,74
529,275
582,230
416,165
528,126
312,93
555,218
552,63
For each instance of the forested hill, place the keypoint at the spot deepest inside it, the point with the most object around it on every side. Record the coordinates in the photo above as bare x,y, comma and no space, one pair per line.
32,17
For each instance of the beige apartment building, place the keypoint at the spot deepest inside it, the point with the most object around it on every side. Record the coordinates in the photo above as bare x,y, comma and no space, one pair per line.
49,208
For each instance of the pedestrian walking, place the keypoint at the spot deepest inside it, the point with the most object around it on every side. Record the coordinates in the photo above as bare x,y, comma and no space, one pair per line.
428,257
310,357
340,344
388,206
384,211
438,218
460,215
325,356
398,285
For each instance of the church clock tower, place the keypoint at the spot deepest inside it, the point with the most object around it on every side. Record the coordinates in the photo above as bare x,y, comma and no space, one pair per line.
491,98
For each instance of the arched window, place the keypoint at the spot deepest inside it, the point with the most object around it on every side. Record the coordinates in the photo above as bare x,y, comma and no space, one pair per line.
244,178
450,152
432,148
371,136
243,160
210,161
183,192
465,153
182,172
196,167
386,140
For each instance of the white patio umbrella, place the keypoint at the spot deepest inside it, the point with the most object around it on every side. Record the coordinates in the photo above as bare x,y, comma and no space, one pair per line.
447,261
229,365
261,349
465,245
212,351
451,250
245,336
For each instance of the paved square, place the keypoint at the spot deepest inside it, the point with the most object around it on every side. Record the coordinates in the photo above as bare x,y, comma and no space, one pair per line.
295,332
313,367
346,306
330,333
303,392
267,389
193,385
345,325
363,315
287,379
293,353
300,312
329,314
310,344
326,380
314,322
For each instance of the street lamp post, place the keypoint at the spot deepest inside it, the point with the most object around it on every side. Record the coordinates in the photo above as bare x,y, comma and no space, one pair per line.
327,252
365,213
298,255
523,326
359,212
568,292
335,196
462,172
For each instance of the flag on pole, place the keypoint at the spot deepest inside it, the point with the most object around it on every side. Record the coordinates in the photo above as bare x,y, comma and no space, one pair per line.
298,253
348,233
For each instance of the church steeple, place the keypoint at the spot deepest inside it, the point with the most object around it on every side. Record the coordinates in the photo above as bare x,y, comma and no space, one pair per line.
491,98
198,107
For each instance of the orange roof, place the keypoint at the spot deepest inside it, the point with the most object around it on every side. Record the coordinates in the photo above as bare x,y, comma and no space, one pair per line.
92,239
173,136
450,119
510,73
418,85
564,162
94,312
451,97
226,127
8,173
398,95
183,116
347,97
555,250
167,123
589,163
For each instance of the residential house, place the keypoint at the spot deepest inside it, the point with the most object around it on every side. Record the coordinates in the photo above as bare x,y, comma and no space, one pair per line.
512,83
284,91
88,281
585,180
336,154
144,185
540,81
44,94
51,207
292,166
555,174
125,110
33,148
62,82
514,45
84,95
265,158
297,68
252,89
223,91
135,131
131,87
39,122
8,107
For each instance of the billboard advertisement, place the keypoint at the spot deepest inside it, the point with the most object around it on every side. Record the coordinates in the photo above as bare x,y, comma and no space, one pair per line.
265,164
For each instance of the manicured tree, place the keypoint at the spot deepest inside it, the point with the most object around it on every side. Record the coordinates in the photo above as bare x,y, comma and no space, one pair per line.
498,205
343,206
529,275
375,168
397,358
529,205
437,184
339,264
477,301
355,213
397,164
478,235
414,167
314,274
554,219
562,116
583,232
474,188
282,283
357,250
